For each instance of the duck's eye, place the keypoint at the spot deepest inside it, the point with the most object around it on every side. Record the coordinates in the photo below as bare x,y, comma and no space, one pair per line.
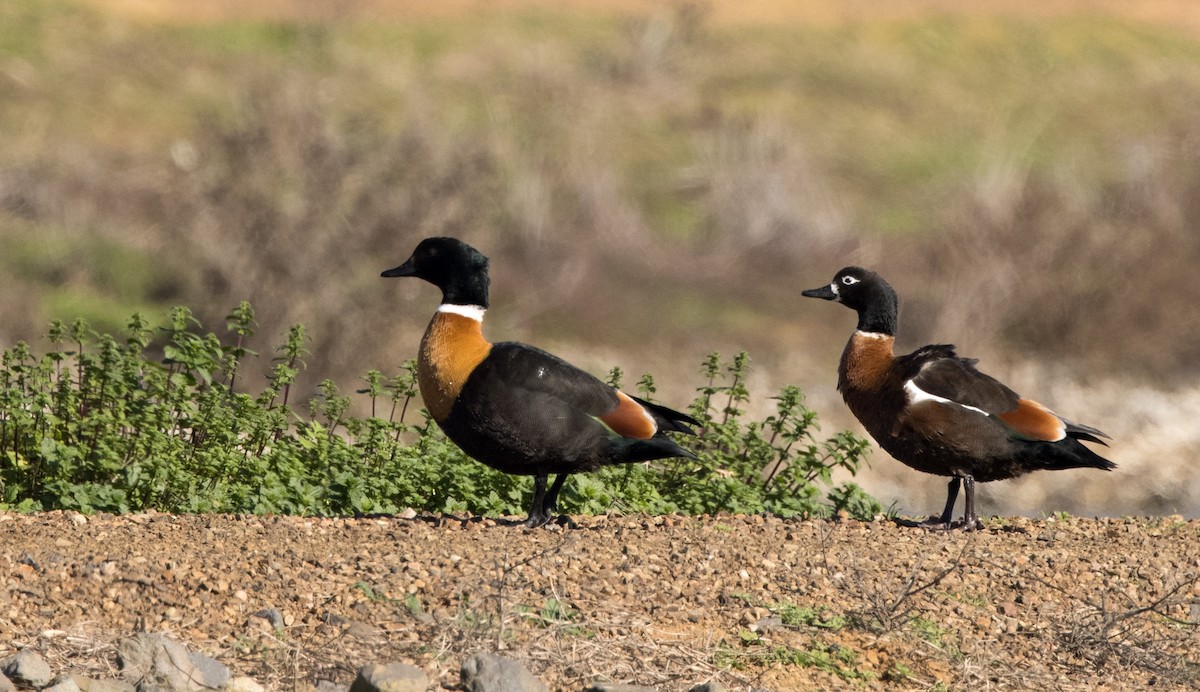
849,280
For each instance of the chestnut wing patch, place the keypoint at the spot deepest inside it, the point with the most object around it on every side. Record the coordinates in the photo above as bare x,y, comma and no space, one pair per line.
630,419
1032,420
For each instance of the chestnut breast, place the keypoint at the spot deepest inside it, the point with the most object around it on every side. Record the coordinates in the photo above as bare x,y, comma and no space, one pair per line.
868,383
453,346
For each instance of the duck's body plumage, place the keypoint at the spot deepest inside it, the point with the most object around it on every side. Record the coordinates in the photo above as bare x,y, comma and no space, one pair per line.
565,420
515,407
935,412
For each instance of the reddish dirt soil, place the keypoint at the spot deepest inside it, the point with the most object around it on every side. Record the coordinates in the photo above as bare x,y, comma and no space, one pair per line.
669,602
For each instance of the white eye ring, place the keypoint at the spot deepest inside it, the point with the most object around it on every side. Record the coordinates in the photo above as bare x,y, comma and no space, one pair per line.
849,280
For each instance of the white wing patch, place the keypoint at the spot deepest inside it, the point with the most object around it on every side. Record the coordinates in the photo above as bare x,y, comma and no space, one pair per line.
917,395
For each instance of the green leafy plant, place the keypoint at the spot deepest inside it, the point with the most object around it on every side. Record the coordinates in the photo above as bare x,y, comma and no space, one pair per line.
775,465
161,418
808,616
555,613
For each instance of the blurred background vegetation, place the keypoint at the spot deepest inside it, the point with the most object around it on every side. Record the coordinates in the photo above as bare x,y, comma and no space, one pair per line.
653,181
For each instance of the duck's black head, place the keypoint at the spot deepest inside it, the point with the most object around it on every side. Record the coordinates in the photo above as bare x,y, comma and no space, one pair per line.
866,293
458,269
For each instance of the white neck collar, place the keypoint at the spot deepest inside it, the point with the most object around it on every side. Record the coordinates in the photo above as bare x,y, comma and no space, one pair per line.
474,312
872,335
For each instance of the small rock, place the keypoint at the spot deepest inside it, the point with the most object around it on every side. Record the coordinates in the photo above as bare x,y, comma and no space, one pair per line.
354,628
213,673
243,684
363,631
27,667
767,624
492,673
394,677
607,687
87,684
753,615
152,660
63,683
271,615
708,687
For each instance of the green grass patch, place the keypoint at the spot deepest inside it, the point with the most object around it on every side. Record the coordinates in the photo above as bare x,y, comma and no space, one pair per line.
808,616
553,613
937,635
755,652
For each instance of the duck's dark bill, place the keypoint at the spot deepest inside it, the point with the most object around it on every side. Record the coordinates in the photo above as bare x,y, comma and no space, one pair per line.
405,269
824,292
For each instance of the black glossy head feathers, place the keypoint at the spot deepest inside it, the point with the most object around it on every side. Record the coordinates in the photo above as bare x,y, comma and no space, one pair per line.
458,269
866,293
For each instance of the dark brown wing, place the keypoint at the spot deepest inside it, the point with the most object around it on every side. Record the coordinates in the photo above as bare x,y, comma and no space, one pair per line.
530,368
943,374
939,373
536,371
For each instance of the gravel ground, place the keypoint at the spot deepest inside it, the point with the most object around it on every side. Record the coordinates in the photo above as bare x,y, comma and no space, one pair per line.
668,602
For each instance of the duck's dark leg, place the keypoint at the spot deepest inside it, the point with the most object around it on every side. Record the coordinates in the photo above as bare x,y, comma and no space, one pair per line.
550,504
537,511
970,518
944,522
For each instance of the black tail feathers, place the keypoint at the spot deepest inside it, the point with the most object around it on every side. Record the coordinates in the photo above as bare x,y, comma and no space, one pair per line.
1086,432
669,420
1070,453
658,447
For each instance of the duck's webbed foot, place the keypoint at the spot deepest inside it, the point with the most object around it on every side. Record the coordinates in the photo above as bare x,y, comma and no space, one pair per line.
967,524
536,518
545,503
945,521
934,523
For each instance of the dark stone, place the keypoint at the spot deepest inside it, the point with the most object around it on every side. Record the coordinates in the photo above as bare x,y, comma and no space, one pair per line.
271,615
493,673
